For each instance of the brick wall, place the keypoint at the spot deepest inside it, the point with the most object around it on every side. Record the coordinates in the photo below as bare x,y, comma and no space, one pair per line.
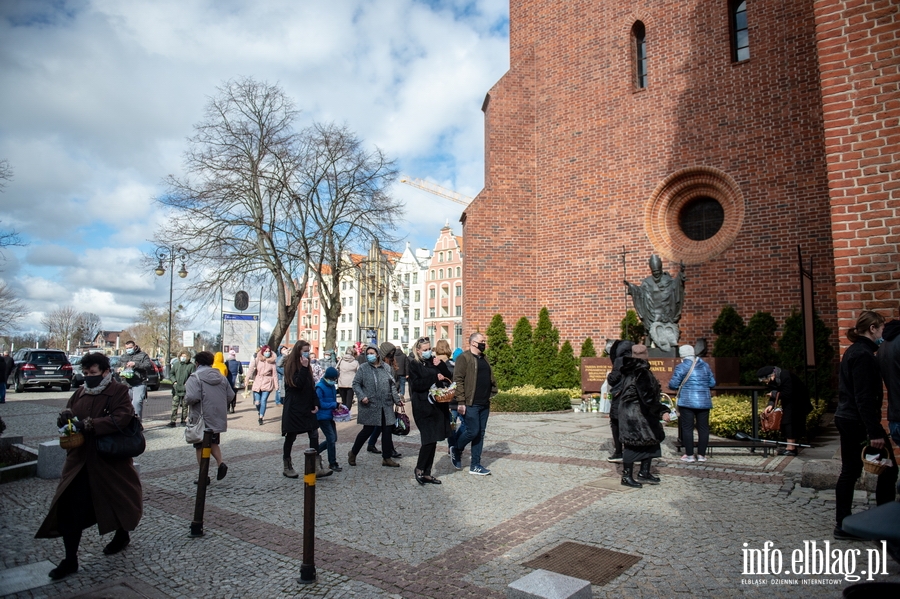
574,154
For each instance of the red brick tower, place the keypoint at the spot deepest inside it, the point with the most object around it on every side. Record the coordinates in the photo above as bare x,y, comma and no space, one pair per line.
624,123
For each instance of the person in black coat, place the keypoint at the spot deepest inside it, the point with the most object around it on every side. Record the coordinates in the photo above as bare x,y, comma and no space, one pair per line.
432,418
787,388
300,406
640,410
889,362
619,350
858,417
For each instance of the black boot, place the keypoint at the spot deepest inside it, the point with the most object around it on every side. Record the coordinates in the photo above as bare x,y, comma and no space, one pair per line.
644,475
627,479
119,542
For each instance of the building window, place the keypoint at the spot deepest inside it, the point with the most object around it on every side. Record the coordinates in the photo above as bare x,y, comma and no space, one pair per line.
315,335
445,332
431,293
701,218
418,296
459,310
459,291
416,332
406,278
317,305
343,318
441,257
417,314
432,274
350,301
396,334
441,276
639,47
431,331
342,334
449,255
344,286
458,271
740,39
350,318
430,312
396,316
415,278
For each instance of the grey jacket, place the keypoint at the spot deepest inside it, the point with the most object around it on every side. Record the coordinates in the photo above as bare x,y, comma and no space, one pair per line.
377,383
208,391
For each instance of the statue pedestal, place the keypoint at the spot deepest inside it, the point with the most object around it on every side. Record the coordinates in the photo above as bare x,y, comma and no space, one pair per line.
655,352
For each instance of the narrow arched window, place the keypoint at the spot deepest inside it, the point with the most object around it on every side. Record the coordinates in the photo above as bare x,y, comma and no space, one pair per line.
740,40
639,48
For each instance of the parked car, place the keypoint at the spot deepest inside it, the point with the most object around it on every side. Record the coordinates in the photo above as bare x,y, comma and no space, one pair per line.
77,377
154,378
36,367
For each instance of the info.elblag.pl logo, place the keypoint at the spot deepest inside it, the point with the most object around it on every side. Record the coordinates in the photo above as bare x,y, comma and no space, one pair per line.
814,560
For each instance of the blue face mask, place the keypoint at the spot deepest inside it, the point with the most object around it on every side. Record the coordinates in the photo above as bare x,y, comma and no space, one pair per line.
879,341
330,382
129,351
371,358
426,354
305,354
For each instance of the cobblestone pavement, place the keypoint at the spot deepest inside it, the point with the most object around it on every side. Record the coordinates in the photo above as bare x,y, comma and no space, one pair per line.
379,534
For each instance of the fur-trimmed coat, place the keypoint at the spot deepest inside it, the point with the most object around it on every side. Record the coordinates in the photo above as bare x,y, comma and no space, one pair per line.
640,409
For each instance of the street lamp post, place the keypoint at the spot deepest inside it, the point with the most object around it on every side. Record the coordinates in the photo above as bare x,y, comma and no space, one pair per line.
170,254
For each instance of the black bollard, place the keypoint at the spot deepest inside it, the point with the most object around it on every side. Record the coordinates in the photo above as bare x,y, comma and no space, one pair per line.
308,566
200,503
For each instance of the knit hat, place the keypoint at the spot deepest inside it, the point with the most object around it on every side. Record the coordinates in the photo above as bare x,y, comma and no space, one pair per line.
386,348
639,351
456,353
331,373
686,351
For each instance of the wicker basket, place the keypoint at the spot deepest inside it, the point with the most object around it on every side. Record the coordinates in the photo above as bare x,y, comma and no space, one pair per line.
871,467
71,441
443,395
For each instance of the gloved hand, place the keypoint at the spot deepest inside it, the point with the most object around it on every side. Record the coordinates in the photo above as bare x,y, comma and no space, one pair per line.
64,417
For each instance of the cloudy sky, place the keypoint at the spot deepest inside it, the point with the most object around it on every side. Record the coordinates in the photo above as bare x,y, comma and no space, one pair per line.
99,96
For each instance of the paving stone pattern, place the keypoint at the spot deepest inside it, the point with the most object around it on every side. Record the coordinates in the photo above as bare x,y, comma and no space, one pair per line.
381,535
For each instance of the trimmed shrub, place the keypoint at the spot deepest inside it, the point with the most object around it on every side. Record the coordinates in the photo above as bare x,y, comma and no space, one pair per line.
587,349
631,328
498,351
546,346
566,373
529,398
729,330
758,346
791,356
522,349
732,413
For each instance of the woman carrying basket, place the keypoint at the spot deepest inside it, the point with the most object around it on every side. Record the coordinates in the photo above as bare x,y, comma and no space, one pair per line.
858,417
432,417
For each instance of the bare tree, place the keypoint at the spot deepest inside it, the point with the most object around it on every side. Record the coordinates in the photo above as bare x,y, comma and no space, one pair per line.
344,202
12,309
8,237
150,330
87,327
232,210
61,324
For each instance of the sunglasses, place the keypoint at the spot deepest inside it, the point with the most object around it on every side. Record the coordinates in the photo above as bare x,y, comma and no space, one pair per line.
423,339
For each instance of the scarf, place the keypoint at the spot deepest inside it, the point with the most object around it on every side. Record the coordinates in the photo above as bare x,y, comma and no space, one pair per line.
99,388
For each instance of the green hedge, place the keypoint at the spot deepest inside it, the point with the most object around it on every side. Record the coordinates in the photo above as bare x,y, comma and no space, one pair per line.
732,413
529,398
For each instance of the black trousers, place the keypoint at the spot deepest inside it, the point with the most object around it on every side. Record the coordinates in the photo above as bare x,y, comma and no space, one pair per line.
426,458
853,435
387,442
614,427
688,417
289,439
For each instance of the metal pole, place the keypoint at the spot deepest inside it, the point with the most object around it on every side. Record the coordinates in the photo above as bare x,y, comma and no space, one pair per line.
171,287
200,503
308,565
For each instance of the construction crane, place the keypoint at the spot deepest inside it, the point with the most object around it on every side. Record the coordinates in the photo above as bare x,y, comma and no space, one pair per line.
437,190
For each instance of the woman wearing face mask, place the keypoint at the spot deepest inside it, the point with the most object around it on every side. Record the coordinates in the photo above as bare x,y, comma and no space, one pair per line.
858,417
265,379
301,406
94,489
377,392
326,392
432,419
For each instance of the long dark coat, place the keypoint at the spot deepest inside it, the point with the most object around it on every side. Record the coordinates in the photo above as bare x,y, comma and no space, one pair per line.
299,403
433,420
794,397
640,408
115,486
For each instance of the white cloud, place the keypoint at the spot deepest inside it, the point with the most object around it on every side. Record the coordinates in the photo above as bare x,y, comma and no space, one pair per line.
100,96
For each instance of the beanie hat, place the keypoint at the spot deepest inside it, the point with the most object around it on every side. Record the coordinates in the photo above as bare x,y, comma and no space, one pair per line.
331,372
686,351
386,348
456,353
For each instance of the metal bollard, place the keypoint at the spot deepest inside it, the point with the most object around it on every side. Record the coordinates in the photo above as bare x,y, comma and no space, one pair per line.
308,565
200,503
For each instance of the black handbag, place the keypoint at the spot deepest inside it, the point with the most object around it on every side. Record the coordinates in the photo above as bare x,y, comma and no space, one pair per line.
401,427
127,443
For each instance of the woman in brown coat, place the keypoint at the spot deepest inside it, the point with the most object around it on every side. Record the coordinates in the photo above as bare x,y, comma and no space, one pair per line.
94,489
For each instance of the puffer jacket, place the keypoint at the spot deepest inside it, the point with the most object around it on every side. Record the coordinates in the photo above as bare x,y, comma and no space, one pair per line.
262,371
327,395
209,391
695,392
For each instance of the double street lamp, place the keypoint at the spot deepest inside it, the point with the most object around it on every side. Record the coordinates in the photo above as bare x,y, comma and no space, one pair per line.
170,254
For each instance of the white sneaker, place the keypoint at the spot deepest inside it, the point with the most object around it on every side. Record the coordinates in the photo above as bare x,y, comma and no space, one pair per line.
689,459
701,458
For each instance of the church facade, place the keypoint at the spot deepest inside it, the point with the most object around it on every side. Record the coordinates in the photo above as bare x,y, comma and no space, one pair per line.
721,135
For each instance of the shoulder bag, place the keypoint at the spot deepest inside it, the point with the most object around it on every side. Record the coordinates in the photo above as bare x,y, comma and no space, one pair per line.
771,421
401,427
193,432
127,443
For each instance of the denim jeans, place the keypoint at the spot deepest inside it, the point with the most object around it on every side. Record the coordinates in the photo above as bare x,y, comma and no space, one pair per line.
138,395
330,433
262,397
278,391
895,431
373,438
3,391
475,419
853,435
460,428
401,386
